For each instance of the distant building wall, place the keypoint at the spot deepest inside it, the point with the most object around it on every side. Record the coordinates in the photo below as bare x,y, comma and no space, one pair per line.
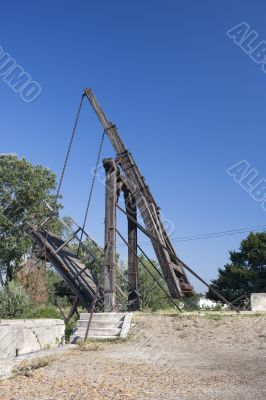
207,303
258,301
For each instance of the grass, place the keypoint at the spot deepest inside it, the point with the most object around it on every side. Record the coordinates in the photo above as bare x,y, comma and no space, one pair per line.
214,317
89,345
46,311
26,368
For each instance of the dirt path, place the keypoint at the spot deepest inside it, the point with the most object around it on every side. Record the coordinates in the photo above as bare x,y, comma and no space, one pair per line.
166,357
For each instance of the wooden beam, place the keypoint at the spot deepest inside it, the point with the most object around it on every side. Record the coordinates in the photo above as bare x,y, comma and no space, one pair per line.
146,204
73,309
131,207
110,234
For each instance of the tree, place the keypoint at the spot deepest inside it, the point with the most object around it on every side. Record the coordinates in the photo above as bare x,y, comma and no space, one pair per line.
14,301
246,273
24,189
34,280
152,296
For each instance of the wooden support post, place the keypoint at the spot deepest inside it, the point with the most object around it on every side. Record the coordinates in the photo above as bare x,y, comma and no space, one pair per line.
91,314
110,234
73,309
60,309
131,207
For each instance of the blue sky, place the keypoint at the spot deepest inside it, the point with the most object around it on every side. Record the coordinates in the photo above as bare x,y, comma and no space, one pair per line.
188,102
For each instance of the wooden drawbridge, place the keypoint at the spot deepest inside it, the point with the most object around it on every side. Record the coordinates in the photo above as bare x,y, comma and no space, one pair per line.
122,175
75,273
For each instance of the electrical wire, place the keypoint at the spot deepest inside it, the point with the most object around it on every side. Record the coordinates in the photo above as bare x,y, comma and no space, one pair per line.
210,235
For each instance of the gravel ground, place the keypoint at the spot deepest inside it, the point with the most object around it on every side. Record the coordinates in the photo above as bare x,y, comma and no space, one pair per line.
166,357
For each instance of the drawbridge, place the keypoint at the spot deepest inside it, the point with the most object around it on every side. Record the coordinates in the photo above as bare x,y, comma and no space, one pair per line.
122,177
76,274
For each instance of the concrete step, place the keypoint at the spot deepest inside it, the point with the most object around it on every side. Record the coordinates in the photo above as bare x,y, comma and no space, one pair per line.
103,325
75,338
103,316
96,323
97,332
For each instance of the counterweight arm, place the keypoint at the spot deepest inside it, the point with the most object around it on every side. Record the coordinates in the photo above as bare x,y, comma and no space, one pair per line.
170,264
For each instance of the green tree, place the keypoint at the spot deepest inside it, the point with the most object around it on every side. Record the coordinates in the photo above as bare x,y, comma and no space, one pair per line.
152,296
191,303
14,301
246,272
24,189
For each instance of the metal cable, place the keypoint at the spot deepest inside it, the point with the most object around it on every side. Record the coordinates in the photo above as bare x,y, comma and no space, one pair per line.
64,167
69,149
91,190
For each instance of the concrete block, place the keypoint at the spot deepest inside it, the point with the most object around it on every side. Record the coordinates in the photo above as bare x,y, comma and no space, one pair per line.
7,341
35,335
258,302
126,325
19,337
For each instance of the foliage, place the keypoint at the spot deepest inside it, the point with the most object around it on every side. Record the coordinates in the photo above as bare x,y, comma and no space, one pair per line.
14,301
90,253
89,345
152,296
56,284
246,273
191,303
33,279
44,311
26,368
69,328
24,189
121,280
214,317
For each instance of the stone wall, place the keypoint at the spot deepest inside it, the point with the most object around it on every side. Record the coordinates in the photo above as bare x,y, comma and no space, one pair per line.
18,337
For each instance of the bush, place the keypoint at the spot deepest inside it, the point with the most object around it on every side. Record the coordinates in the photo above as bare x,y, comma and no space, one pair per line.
33,279
14,301
191,303
45,311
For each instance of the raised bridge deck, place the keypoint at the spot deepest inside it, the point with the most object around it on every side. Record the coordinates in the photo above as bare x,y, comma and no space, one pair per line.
74,272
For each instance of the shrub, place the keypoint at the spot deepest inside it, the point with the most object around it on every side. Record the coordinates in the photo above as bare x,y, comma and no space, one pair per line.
44,311
33,279
26,368
191,303
14,301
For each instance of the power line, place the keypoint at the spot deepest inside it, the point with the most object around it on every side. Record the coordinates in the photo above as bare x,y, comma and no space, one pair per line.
211,235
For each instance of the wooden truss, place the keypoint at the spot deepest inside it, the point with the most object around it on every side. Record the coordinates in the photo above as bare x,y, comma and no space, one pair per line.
122,176
138,196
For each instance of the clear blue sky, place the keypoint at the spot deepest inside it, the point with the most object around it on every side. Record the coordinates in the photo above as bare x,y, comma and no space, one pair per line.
188,102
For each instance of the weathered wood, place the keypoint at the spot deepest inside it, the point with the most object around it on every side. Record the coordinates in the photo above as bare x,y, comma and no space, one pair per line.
173,271
110,234
131,207
149,272
66,263
60,309
91,314
73,309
